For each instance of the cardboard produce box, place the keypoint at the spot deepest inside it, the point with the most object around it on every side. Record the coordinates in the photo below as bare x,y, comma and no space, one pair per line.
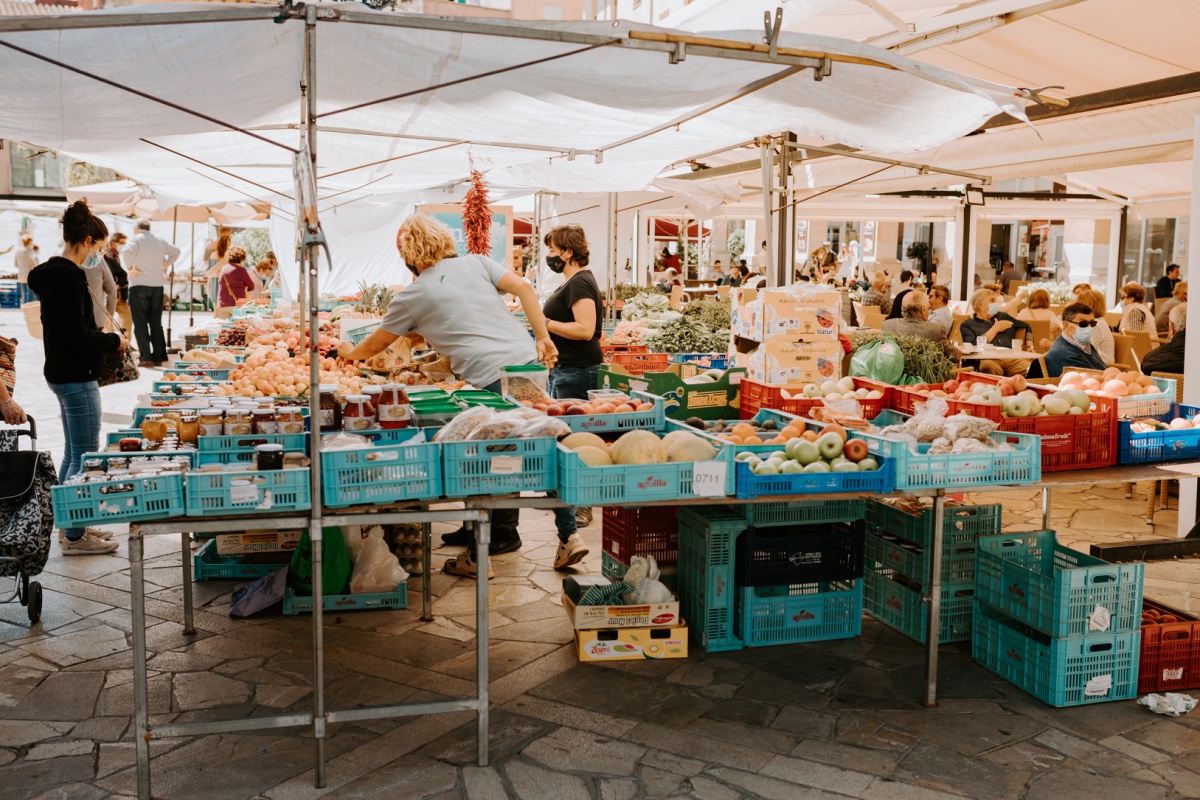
632,644
236,544
609,617
719,399
788,362
762,314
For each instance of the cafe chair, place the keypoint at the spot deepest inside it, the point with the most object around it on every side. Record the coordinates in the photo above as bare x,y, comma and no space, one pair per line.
1040,330
956,328
1113,318
1142,345
1123,348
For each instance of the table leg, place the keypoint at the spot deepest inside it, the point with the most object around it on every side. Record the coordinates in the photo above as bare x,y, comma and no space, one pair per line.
426,572
932,638
483,539
189,624
318,595
141,712
1046,502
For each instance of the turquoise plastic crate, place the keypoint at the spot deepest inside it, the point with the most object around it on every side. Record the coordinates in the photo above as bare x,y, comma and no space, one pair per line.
358,335
958,558
189,374
182,387
140,455
500,467
750,486
702,360
762,514
127,500
387,473
113,438
634,484
214,494
612,567
960,524
208,565
1021,466
905,607
275,295
330,305
1059,671
707,554
1054,589
297,604
805,612
231,449
1149,405
652,420
1147,448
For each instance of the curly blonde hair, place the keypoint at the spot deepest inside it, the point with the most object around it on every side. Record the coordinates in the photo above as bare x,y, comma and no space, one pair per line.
423,241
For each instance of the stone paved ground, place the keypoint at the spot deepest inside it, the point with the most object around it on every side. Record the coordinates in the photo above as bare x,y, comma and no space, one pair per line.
831,720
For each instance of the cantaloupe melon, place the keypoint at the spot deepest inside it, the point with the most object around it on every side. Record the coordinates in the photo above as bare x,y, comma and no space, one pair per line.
674,436
638,447
693,448
594,456
578,440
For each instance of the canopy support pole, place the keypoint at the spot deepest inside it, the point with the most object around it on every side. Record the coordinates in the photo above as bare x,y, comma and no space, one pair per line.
610,314
171,283
768,180
964,269
1191,359
785,239
192,284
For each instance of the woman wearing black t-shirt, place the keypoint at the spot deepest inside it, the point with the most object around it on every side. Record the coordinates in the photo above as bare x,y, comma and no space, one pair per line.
573,315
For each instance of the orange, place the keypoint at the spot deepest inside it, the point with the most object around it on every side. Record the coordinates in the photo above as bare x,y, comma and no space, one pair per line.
743,430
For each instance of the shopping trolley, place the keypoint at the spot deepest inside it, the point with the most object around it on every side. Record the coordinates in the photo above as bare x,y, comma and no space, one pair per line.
26,516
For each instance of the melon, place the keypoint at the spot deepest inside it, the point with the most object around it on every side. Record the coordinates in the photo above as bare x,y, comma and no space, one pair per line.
675,436
693,448
578,440
638,447
594,456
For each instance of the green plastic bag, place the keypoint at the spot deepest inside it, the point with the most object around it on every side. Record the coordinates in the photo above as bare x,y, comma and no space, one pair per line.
335,562
880,360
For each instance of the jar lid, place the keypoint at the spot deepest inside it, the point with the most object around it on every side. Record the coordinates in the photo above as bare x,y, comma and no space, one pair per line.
369,390
392,387
327,387
155,417
269,448
357,398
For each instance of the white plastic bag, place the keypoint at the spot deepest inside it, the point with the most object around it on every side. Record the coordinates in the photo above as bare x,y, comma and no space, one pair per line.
377,570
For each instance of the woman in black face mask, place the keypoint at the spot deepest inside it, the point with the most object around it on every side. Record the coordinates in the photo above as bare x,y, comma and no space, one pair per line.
573,315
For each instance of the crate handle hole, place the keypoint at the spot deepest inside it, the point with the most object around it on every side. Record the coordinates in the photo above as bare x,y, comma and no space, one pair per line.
1177,635
501,448
120,488
1102,647
1103,578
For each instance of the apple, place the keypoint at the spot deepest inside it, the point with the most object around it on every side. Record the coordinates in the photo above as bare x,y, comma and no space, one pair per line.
1007,390
765,468
805,452
874,394
833,396
790,468
846,384
829,445
1080,399
845,466
1075,410
818,466
855,449
862,394
828,388
1019,406
554,411
1055,405
745,455
951,386
868,464
812,391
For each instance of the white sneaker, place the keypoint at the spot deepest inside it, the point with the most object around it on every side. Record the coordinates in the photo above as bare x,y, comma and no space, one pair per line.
570,552
99,533
583,516
89,545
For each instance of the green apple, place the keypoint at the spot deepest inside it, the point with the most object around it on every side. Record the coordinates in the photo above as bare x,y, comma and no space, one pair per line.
779,454
765,468
868,464
805,452
745,455
817,466
829,445
791,468
845,466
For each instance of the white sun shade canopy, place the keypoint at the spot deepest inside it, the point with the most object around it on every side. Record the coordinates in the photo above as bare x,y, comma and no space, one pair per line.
585,87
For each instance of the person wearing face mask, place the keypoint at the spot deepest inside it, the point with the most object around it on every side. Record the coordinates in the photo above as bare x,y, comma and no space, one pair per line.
456,303
999,329
73,343
1073,349
102,286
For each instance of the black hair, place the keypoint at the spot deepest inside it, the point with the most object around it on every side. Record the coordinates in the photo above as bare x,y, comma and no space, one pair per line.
906,275
570,237
78,223
1171,267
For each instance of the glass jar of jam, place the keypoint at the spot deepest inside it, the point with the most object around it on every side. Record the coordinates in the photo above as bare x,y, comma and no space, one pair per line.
268,456
154,428
212,421
330,413
238,422
372,393
394,410
264,419
358,414
289,419
189,428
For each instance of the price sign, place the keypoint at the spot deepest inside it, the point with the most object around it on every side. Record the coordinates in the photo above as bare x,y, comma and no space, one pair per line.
708,478
506,465
245,493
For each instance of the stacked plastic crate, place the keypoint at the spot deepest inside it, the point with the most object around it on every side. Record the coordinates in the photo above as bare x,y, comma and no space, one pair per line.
771,573
626,532
1061,625
899,567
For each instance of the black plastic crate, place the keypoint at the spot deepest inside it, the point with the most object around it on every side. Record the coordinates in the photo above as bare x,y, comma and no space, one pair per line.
791,554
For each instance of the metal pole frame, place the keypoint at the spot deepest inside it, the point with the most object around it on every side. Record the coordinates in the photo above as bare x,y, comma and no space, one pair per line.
767,159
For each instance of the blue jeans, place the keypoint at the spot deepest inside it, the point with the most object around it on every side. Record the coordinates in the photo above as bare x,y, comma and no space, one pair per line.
145,304
573,382
79,404
27,295
504,520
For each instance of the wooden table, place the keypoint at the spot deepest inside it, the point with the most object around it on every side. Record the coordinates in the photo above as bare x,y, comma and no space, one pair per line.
1000,354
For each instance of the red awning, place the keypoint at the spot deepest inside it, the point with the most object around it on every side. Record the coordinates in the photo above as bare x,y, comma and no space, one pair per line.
667,230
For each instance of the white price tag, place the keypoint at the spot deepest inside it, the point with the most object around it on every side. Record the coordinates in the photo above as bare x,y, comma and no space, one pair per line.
735,379
1100,620
708,478
243,493
1098,686
1173,674
506,465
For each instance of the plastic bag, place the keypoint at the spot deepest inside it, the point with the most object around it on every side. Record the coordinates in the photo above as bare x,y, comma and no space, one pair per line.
502,426
546,426
880,360
929,420
335,563
377,570
260,595
345,441
459,428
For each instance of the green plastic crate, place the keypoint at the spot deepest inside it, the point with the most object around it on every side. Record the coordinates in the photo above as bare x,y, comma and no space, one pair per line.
300,604
807,612
959,523
906,608
208,565
707,554
958,558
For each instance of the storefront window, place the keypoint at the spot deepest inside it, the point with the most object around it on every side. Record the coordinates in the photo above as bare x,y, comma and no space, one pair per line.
1149,244
31,170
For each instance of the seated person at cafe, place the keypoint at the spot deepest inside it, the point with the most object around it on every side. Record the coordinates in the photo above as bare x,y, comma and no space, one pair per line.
878,295
939,307
1162,317
915,322
1169,357
1073,349
906,286
999,329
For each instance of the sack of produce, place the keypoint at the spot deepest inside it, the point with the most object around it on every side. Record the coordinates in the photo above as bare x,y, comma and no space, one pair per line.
880,360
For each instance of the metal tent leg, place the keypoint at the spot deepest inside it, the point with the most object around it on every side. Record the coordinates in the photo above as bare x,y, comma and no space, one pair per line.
933,637
189,624
141,713
483,539
1046,501
426,572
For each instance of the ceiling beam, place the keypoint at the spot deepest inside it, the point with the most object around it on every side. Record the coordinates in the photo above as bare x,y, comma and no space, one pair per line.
1160,89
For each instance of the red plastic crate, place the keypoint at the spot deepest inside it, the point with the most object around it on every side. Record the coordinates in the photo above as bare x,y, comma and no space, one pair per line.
1170,658
641,363
650,531
757,396
609,350
1073,441
905,398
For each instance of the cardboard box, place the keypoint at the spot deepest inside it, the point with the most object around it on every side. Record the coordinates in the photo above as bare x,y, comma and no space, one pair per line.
609,617
632,644
231,544
720,399
782,361
762,314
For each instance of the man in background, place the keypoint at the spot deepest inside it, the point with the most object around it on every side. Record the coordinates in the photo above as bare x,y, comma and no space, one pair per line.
1166,284
916,322
939,308
1007,275
1162,320
906,286
25,259
146,257
718,273
1169,357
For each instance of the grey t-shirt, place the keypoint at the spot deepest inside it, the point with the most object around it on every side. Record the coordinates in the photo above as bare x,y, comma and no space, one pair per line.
456,306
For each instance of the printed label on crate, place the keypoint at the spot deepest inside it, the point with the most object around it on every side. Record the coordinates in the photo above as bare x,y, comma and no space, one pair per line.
506,465
643,616
1058,441
242,493
1100,619
1173,674
704,399
633,643
1098,686
802,559
708,478
257,542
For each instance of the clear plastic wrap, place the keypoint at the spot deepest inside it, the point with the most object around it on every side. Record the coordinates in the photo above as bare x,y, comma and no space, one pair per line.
501,426
459,428
962,426
544,426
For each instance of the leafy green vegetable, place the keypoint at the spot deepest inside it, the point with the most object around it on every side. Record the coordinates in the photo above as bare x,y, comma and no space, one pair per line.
711,311
923,359
627,291
683,335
